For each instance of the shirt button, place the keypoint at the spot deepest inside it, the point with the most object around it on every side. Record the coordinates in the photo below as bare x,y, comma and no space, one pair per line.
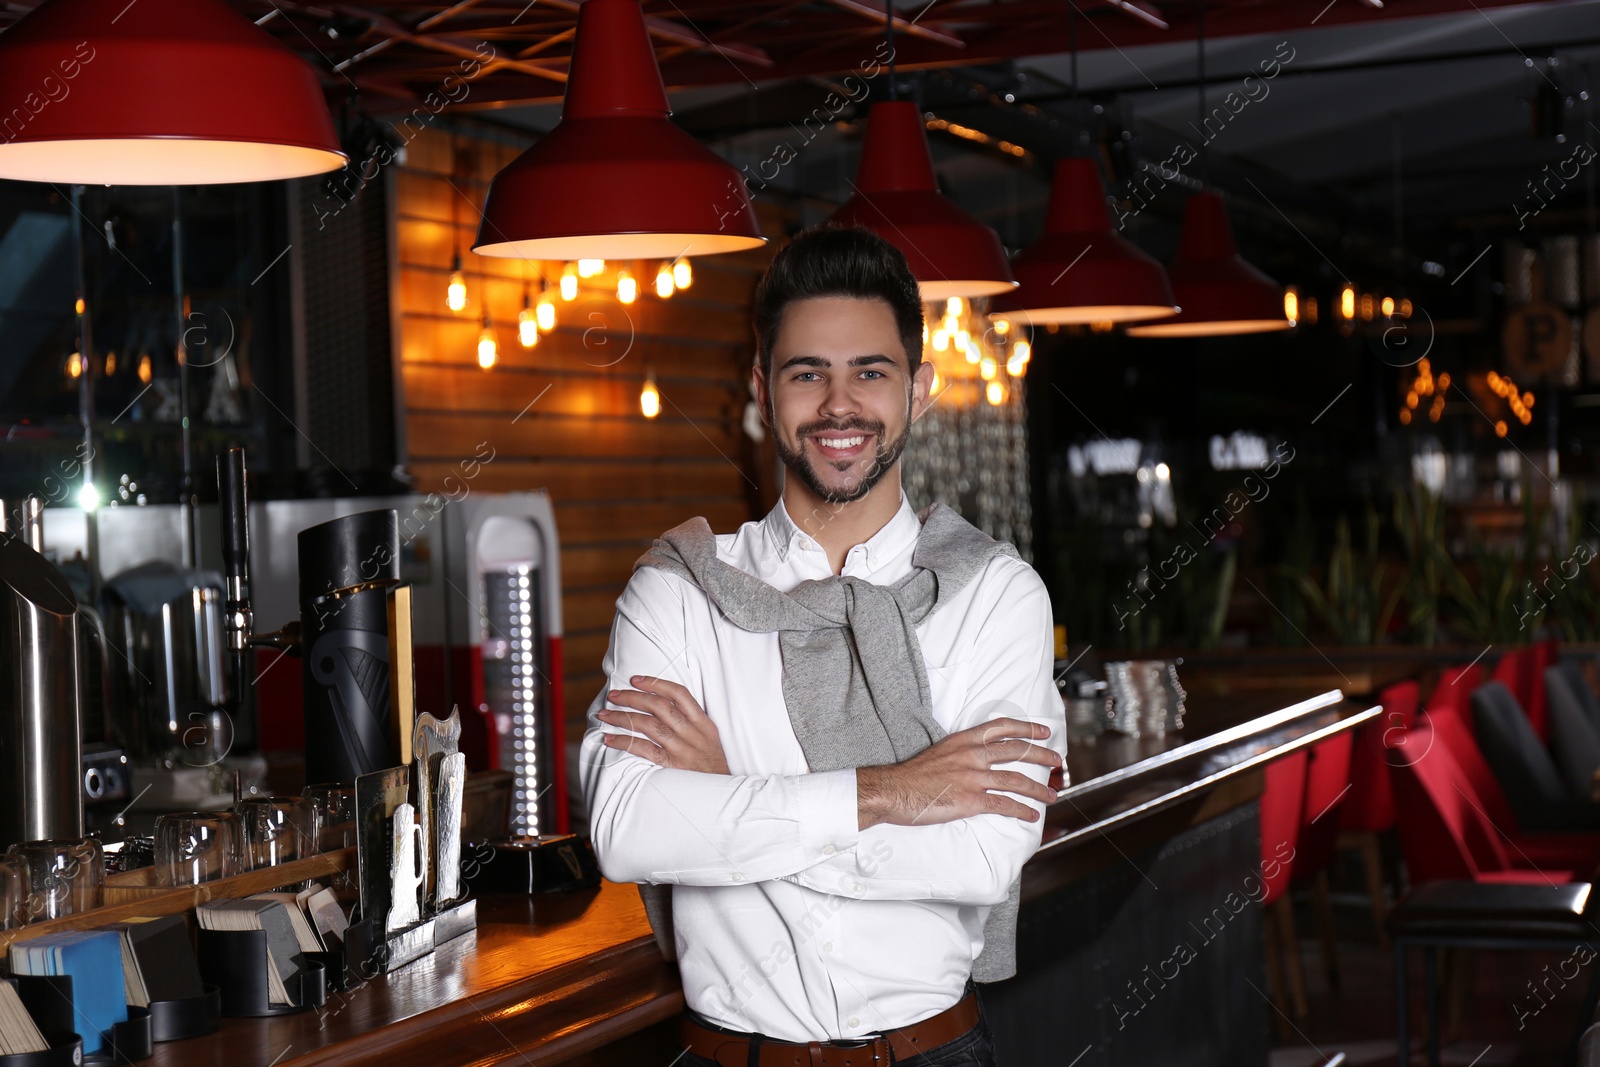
828,850
857,888
852,1021
827,946
737,877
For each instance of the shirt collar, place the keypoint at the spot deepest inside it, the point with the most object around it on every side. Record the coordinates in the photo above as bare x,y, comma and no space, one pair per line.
902,529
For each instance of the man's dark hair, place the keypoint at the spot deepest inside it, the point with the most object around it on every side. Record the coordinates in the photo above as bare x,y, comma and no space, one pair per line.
838,261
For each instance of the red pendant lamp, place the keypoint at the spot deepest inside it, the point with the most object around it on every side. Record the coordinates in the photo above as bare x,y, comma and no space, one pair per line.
616,179
157,92
1081,270
1220,293
897,197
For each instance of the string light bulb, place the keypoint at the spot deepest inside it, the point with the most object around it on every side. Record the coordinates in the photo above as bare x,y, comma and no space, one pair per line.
569,283
527,323
588,268
75,365
111,364
455,294
1022,350
941,340
650,396
994,393
1388,307
146,371
1016,366
488,346
627,287
1347,303
545,311
954,306
664,282
682,273
986,369
1291,304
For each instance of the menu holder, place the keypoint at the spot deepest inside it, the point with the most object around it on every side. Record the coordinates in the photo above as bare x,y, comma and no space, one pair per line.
48,998
455,920
371,952
174,1020
549,863
236,962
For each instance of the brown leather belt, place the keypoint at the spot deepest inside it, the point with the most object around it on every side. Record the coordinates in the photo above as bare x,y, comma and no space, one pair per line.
876,1050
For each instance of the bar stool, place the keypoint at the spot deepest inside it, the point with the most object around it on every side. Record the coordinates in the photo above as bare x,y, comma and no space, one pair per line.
1492,916
1368,810
1282,805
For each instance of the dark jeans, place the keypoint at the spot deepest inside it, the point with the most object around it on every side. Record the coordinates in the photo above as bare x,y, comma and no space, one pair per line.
975,1048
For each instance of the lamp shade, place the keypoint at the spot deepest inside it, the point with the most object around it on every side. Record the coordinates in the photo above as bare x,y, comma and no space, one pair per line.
157,92
1220,293
616,179
1081,270
897,197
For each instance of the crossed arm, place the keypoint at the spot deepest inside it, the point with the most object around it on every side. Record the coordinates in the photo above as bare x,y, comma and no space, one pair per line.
663,807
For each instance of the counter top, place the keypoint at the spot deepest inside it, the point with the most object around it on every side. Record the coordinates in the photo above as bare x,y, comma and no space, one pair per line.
547,978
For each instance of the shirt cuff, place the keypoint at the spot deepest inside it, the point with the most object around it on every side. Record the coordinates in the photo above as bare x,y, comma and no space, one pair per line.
829,823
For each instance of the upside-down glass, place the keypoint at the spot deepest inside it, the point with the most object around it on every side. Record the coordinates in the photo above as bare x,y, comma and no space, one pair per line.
67,875
198,846
278,829
15,885
335,804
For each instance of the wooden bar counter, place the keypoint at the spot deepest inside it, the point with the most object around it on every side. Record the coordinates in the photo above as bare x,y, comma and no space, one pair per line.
1162,824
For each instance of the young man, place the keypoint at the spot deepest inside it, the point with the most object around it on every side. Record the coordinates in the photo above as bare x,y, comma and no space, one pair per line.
830,732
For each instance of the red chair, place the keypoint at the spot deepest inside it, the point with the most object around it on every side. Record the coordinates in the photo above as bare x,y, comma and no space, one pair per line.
1444,834
1578,852
1282,809
1522,672
1368,809
1328,786
1454,693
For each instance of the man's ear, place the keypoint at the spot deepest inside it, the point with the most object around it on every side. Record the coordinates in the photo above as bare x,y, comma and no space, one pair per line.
758,384
921,389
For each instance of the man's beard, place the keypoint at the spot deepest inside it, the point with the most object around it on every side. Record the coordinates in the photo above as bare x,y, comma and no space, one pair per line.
799,463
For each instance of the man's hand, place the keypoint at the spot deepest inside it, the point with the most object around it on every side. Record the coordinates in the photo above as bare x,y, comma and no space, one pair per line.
680,734
952,779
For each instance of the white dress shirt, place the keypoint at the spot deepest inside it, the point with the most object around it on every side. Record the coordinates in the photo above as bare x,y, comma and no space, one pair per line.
790,921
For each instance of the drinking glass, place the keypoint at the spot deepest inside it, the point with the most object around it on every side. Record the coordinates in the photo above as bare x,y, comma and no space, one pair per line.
15,885
198,846
67,875
279,829
335,804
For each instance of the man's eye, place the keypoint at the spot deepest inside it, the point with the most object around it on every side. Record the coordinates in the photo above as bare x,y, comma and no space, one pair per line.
879,373
803,374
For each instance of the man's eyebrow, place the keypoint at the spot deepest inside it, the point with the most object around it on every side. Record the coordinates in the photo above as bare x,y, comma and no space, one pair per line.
818,361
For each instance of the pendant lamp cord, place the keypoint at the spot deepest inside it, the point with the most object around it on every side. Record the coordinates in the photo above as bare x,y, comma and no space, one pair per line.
1200,64
1072,42
888,37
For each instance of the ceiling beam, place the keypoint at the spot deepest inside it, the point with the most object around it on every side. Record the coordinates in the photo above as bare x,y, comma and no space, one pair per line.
908,27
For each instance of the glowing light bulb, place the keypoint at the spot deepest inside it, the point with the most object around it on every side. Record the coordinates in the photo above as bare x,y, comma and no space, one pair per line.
963,340
995,393
954,306
682,274
75,365
1405,309
650,396
664,282
488,347
1291,304
1002,326
569,283
1347,303
986,369
544,313
588,268
1500,428
1022,350
1388,307
146,372
950,323
941,341
455,294
88,497
111,363
1016,366
627,288
1405,416
1368,306
77,306
528,328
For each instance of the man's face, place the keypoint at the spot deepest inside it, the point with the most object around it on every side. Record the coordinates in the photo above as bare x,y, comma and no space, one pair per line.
841,399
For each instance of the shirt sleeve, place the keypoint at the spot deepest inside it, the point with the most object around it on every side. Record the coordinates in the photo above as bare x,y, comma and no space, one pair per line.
972,860
657,824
